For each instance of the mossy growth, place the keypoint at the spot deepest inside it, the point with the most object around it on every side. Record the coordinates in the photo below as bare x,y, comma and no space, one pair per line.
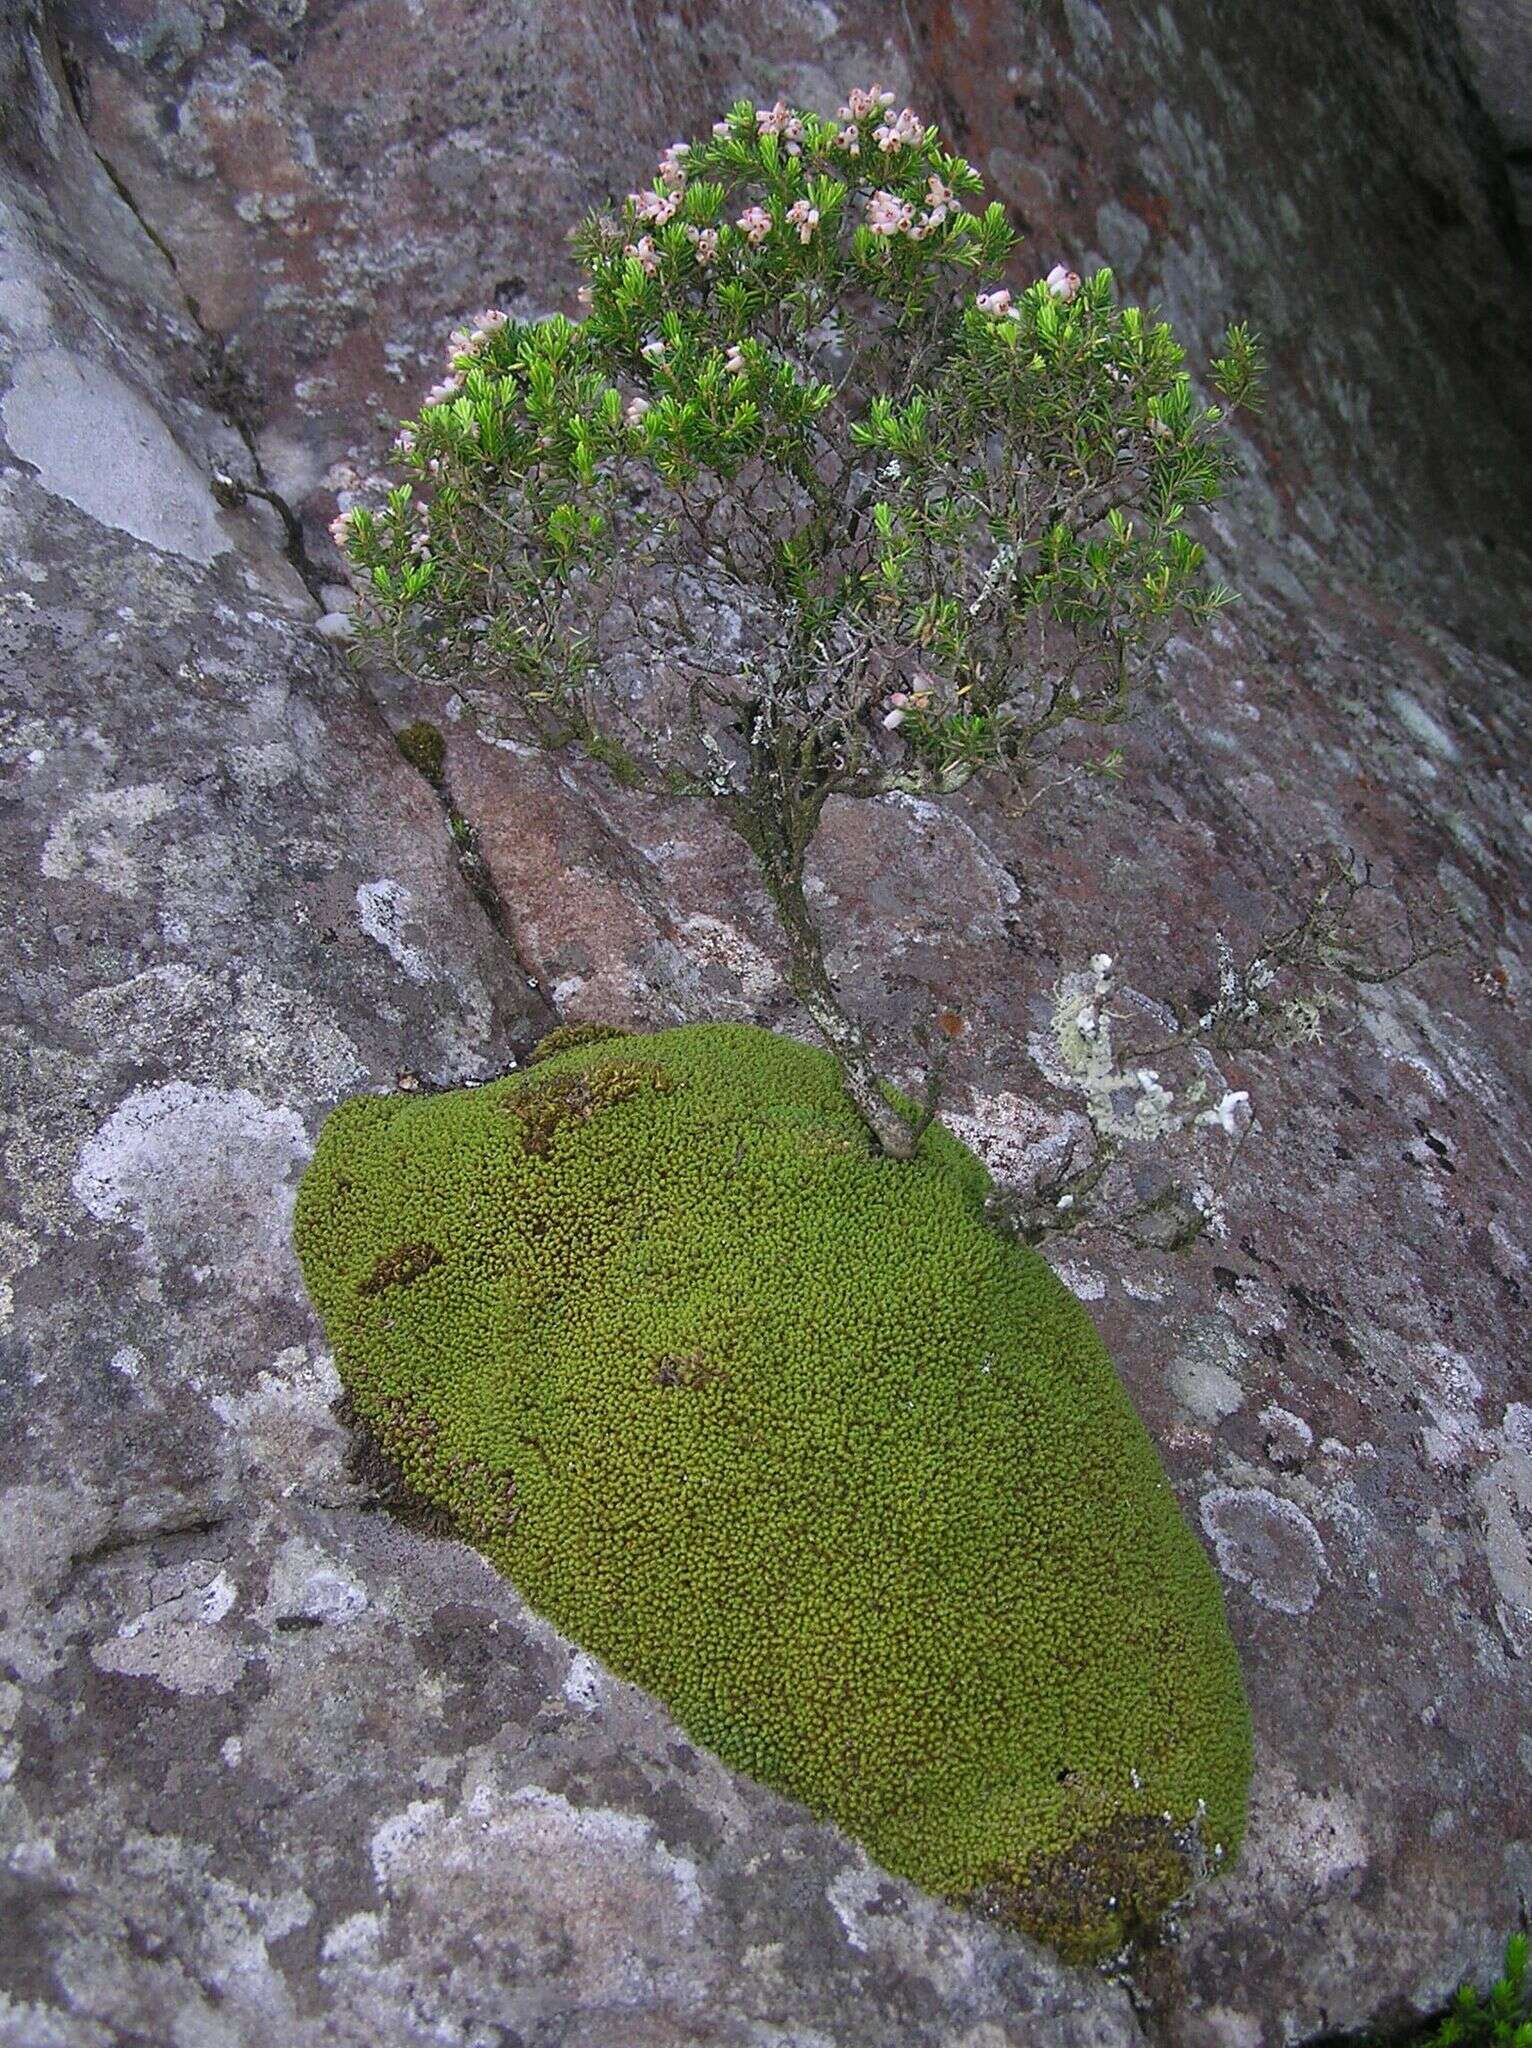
565,1037
782,1430
422,745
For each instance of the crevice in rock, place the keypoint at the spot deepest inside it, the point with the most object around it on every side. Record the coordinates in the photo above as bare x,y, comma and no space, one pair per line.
71,76
230,491
472,865
196,1522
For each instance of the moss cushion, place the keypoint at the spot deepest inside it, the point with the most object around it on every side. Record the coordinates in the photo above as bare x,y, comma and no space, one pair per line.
785,1432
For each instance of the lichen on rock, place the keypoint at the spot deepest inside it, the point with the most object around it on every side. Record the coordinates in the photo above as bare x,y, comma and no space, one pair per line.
782,1430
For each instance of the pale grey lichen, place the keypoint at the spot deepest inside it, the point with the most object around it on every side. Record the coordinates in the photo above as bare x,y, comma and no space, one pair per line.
1266,1544
1128,1103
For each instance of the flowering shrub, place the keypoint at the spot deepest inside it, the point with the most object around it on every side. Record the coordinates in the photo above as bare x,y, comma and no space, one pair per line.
809,503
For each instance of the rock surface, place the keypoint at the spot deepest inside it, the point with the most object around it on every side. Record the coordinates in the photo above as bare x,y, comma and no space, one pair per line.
276,1768
273,1769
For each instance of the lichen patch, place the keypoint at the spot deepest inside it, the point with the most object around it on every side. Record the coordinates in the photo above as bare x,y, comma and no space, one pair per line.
205,1177
1266,1544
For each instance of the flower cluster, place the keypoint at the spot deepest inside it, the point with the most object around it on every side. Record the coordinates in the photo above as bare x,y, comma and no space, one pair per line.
781,120
1062,284
905,131
888,214
466,341
795,179
804,218
901,702
658,207
673,165
861,102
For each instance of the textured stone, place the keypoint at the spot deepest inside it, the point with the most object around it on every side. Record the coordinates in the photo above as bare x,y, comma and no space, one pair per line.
225,879
1497,43
272,1768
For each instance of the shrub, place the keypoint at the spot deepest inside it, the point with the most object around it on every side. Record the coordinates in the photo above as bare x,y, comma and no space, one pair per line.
1498,2018
789,1435
809,503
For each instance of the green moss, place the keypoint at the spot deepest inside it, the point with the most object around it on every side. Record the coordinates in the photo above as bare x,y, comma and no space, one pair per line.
613,755
783,1431
423,747
565,1037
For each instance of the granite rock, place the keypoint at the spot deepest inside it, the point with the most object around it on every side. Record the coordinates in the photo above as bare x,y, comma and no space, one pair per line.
279,1767
273,1766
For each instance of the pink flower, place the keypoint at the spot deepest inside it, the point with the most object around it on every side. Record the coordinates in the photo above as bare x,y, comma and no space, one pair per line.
943,200
469,339
899,698
654,350
722,128
672,166
656,206
996,304
340,528
805,218
585,297
404,442
860,103
903,132
755,222
888,214
850,139
735,362
445,392
779,120
891,719
1062,283
704,242
643,253
636,408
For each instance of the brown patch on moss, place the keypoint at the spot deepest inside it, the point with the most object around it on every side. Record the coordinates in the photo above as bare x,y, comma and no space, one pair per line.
565,1037
489,1499
370,1465
1106,1889
400,1268
575,1098
690,1369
